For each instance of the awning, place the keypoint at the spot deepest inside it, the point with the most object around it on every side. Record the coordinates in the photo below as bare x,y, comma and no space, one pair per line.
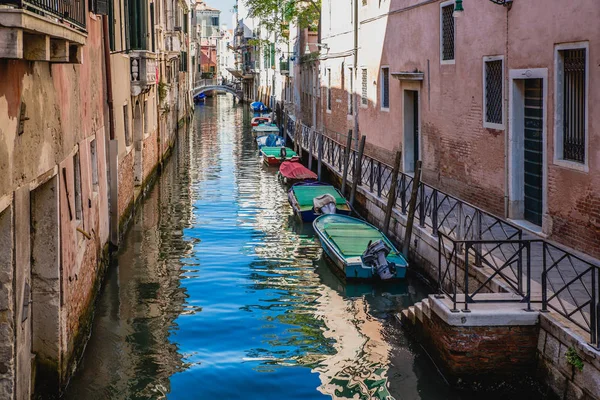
235,73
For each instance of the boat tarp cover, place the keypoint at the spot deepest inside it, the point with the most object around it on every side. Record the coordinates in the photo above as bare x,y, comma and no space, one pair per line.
306,193
352,238
295,170
276,152
270,140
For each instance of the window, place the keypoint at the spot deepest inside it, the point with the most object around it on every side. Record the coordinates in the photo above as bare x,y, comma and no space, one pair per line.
138,28
364,100
385,88
126,125
77,186
351,91
214,21
111,25
571,103
94,158
447,31
328,89
493,78
146,112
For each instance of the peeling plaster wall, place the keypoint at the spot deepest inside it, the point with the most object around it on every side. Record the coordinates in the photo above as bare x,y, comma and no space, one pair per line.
65,111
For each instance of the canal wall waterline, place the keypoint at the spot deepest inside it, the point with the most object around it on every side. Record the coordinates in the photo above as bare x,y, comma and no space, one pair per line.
550,367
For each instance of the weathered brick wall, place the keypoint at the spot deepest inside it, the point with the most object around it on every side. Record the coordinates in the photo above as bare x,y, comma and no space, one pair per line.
563,377
151,154
126,183
481,350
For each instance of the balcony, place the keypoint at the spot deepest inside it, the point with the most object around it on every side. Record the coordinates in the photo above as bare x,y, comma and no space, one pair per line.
42,30
143,71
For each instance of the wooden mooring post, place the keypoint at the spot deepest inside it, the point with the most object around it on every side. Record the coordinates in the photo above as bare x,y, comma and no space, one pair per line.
412,205
346,162
357,169
392,194
311,136
320,155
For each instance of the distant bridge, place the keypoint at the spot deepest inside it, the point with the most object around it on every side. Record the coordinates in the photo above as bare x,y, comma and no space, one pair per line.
207,85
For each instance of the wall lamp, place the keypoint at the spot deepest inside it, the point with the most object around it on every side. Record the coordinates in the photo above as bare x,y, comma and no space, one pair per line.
458,6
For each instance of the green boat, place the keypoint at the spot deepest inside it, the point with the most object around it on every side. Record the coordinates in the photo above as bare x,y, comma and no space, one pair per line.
301,197
359,250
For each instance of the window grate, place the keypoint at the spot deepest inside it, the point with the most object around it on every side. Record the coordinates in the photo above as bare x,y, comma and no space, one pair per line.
364,101
493,92
448,32
574,105
385,77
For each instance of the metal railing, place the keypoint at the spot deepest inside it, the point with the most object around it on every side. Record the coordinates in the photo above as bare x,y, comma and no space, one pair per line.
570,288
508,263
564,282
72,11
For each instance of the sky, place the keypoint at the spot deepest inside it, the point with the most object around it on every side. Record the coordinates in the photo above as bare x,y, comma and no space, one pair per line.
225,6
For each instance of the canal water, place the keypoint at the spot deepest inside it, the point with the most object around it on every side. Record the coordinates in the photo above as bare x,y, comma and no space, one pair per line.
219,293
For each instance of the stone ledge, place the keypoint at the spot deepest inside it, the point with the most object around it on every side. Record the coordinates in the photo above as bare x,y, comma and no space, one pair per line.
31,22
485,314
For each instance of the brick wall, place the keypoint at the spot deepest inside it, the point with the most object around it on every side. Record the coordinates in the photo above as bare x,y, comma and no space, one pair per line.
126,183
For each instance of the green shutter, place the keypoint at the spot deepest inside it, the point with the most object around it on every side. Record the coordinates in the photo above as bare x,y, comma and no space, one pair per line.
272,54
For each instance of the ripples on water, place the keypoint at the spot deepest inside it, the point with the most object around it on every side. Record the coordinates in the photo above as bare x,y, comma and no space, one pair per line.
216,294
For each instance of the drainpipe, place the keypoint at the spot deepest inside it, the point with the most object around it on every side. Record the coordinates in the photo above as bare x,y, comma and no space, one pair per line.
113,190
506,130
354,96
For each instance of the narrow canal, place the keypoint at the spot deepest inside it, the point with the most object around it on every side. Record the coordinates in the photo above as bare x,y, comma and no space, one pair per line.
218,294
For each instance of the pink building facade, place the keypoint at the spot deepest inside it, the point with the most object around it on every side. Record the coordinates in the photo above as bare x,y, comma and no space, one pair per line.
501,107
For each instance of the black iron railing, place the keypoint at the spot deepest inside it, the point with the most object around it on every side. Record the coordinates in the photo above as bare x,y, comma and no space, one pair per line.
71,11
507,263
535,271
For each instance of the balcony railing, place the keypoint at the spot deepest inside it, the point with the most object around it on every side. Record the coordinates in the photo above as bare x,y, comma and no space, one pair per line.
71,11
143,71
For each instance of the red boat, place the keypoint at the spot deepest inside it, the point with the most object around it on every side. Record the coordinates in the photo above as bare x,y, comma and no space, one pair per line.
293,171
260,121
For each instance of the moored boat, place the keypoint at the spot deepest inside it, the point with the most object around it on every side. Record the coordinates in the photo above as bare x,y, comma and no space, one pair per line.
262,120
302,198
291,172
358,250
276,155
265,129
270,140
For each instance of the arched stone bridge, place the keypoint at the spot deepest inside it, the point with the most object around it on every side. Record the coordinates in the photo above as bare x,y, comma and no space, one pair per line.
210,85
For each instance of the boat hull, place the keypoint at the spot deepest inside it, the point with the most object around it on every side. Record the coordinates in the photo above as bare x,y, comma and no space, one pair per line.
310,215
351,270
274,161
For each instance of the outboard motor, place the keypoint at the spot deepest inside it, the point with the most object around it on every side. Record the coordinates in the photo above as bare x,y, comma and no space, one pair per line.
375,256
282,153
324,204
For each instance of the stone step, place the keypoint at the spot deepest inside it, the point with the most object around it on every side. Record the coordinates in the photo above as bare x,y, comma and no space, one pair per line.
411,314
419,311
426,308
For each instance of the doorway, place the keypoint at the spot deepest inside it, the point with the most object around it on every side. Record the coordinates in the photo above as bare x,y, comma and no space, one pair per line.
46,285
411,130
527,147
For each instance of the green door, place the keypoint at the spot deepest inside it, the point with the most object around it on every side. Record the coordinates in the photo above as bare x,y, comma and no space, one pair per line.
533,148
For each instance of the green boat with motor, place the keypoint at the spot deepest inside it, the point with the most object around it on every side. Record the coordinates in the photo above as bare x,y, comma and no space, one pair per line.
311,199
358,250
276,155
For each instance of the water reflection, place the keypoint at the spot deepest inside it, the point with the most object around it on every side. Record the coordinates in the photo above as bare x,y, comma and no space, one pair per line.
218,294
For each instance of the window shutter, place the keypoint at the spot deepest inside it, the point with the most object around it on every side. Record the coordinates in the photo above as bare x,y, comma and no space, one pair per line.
272,54
102,7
